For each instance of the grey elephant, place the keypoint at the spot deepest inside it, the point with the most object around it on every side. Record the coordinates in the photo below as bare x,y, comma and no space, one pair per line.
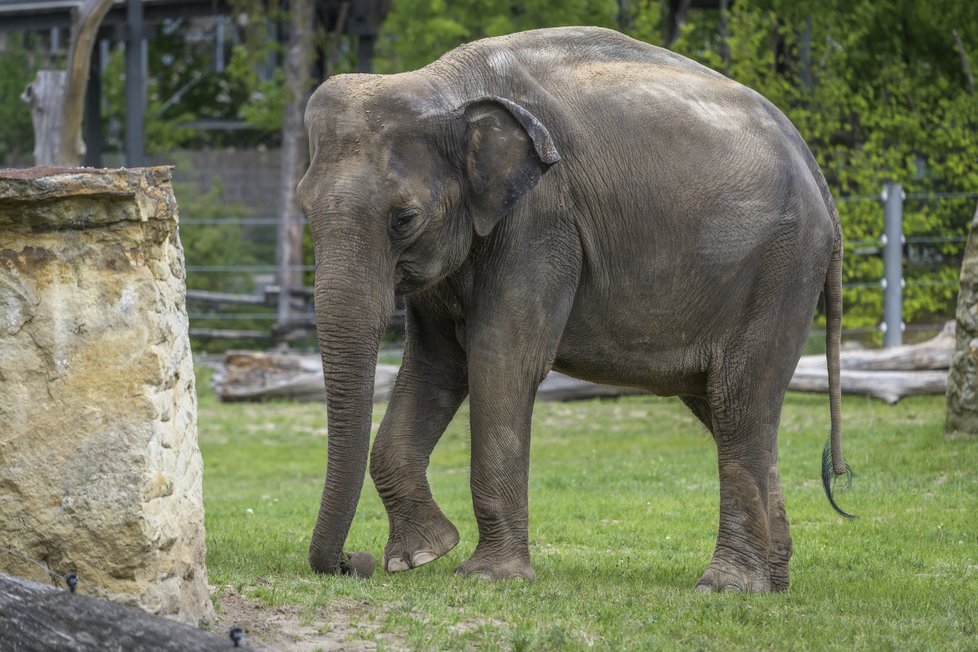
566,199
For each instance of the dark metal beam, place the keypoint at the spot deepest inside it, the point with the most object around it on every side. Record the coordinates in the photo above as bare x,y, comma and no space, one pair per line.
93,111
135,85
26,16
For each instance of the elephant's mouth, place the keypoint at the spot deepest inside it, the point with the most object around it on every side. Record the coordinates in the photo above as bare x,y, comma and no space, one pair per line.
411,278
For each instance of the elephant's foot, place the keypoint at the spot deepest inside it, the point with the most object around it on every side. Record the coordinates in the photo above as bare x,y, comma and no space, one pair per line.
411,545
498,567
727,577
778,564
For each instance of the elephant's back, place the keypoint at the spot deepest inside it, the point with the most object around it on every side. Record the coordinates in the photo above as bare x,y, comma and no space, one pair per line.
601,80
542,50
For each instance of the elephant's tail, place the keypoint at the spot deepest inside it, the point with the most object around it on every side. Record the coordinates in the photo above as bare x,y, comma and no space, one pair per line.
833,464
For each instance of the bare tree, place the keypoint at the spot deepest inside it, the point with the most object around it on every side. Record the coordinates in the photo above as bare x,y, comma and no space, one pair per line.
57,97
298,81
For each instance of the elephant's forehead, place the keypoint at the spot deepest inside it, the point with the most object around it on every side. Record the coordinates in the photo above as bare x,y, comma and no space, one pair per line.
358,102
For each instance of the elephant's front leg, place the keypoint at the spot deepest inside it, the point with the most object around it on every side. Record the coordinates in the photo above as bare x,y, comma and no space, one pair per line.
430,387
501,408
508,357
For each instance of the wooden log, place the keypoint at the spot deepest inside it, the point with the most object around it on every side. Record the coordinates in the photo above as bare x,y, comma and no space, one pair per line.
888,386
559,387
886,374
44,96
36,616
255,376
935,353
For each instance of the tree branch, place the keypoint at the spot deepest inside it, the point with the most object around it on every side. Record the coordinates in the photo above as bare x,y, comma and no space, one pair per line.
84,29
965,64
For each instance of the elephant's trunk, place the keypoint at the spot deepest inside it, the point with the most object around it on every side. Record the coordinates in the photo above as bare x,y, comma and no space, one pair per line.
353,304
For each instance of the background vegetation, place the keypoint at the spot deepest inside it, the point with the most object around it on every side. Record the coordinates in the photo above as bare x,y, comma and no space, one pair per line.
623,513
880,89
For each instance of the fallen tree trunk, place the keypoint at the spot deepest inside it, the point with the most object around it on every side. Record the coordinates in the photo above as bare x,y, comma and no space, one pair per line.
886,374
256,376
36,616
935,353
888,386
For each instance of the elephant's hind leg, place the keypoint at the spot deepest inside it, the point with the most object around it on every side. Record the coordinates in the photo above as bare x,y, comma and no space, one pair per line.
429,389
741,561
781,547
753,545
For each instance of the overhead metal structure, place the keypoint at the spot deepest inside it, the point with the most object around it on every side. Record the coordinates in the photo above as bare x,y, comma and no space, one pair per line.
129,21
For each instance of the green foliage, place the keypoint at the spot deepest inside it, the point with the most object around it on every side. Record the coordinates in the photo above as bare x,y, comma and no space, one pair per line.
209,239
878,90
417,32
184,85
623,509
876,87
266,102
214,244
18,67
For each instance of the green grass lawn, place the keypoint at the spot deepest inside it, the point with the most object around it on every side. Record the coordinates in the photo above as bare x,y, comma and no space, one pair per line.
623,514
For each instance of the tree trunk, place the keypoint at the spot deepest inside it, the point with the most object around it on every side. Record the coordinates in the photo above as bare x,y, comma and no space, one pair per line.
933,354
298,82
962,382
84,29
888,386
44,96
57,97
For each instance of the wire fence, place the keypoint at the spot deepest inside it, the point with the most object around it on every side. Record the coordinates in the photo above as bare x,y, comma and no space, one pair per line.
232,296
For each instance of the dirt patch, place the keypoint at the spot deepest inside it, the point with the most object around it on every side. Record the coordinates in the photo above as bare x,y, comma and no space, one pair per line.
343,625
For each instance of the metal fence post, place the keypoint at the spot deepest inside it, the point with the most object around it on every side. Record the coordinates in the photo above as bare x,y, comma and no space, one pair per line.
892,241
135,85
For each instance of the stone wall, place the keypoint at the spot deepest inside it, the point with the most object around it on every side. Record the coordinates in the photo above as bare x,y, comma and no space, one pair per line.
962,380
100,473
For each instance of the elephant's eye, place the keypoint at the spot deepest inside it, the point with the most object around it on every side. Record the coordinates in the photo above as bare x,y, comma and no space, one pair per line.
402,221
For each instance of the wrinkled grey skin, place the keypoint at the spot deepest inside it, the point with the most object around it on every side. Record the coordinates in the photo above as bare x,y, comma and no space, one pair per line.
569,199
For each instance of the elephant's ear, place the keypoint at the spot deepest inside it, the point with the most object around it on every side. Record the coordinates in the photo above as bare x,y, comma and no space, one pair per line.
507,150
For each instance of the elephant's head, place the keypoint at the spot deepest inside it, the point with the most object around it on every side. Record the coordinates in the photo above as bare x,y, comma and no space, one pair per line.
401,182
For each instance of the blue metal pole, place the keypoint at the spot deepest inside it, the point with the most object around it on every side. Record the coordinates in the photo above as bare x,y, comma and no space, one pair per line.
892,240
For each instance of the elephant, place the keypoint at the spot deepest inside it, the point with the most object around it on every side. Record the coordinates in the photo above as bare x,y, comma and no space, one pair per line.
567,199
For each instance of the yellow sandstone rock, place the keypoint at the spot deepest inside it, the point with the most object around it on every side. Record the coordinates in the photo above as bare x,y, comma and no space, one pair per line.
100,472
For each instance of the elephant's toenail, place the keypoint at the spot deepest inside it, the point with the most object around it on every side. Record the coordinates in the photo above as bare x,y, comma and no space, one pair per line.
704,588
396,564
423,557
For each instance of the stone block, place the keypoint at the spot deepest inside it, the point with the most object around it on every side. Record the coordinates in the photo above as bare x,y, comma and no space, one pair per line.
100,472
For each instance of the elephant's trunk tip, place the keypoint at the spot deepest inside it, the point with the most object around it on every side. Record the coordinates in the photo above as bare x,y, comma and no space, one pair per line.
358,564
354,564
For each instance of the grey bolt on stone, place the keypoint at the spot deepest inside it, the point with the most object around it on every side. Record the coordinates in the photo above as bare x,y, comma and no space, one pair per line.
100,472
